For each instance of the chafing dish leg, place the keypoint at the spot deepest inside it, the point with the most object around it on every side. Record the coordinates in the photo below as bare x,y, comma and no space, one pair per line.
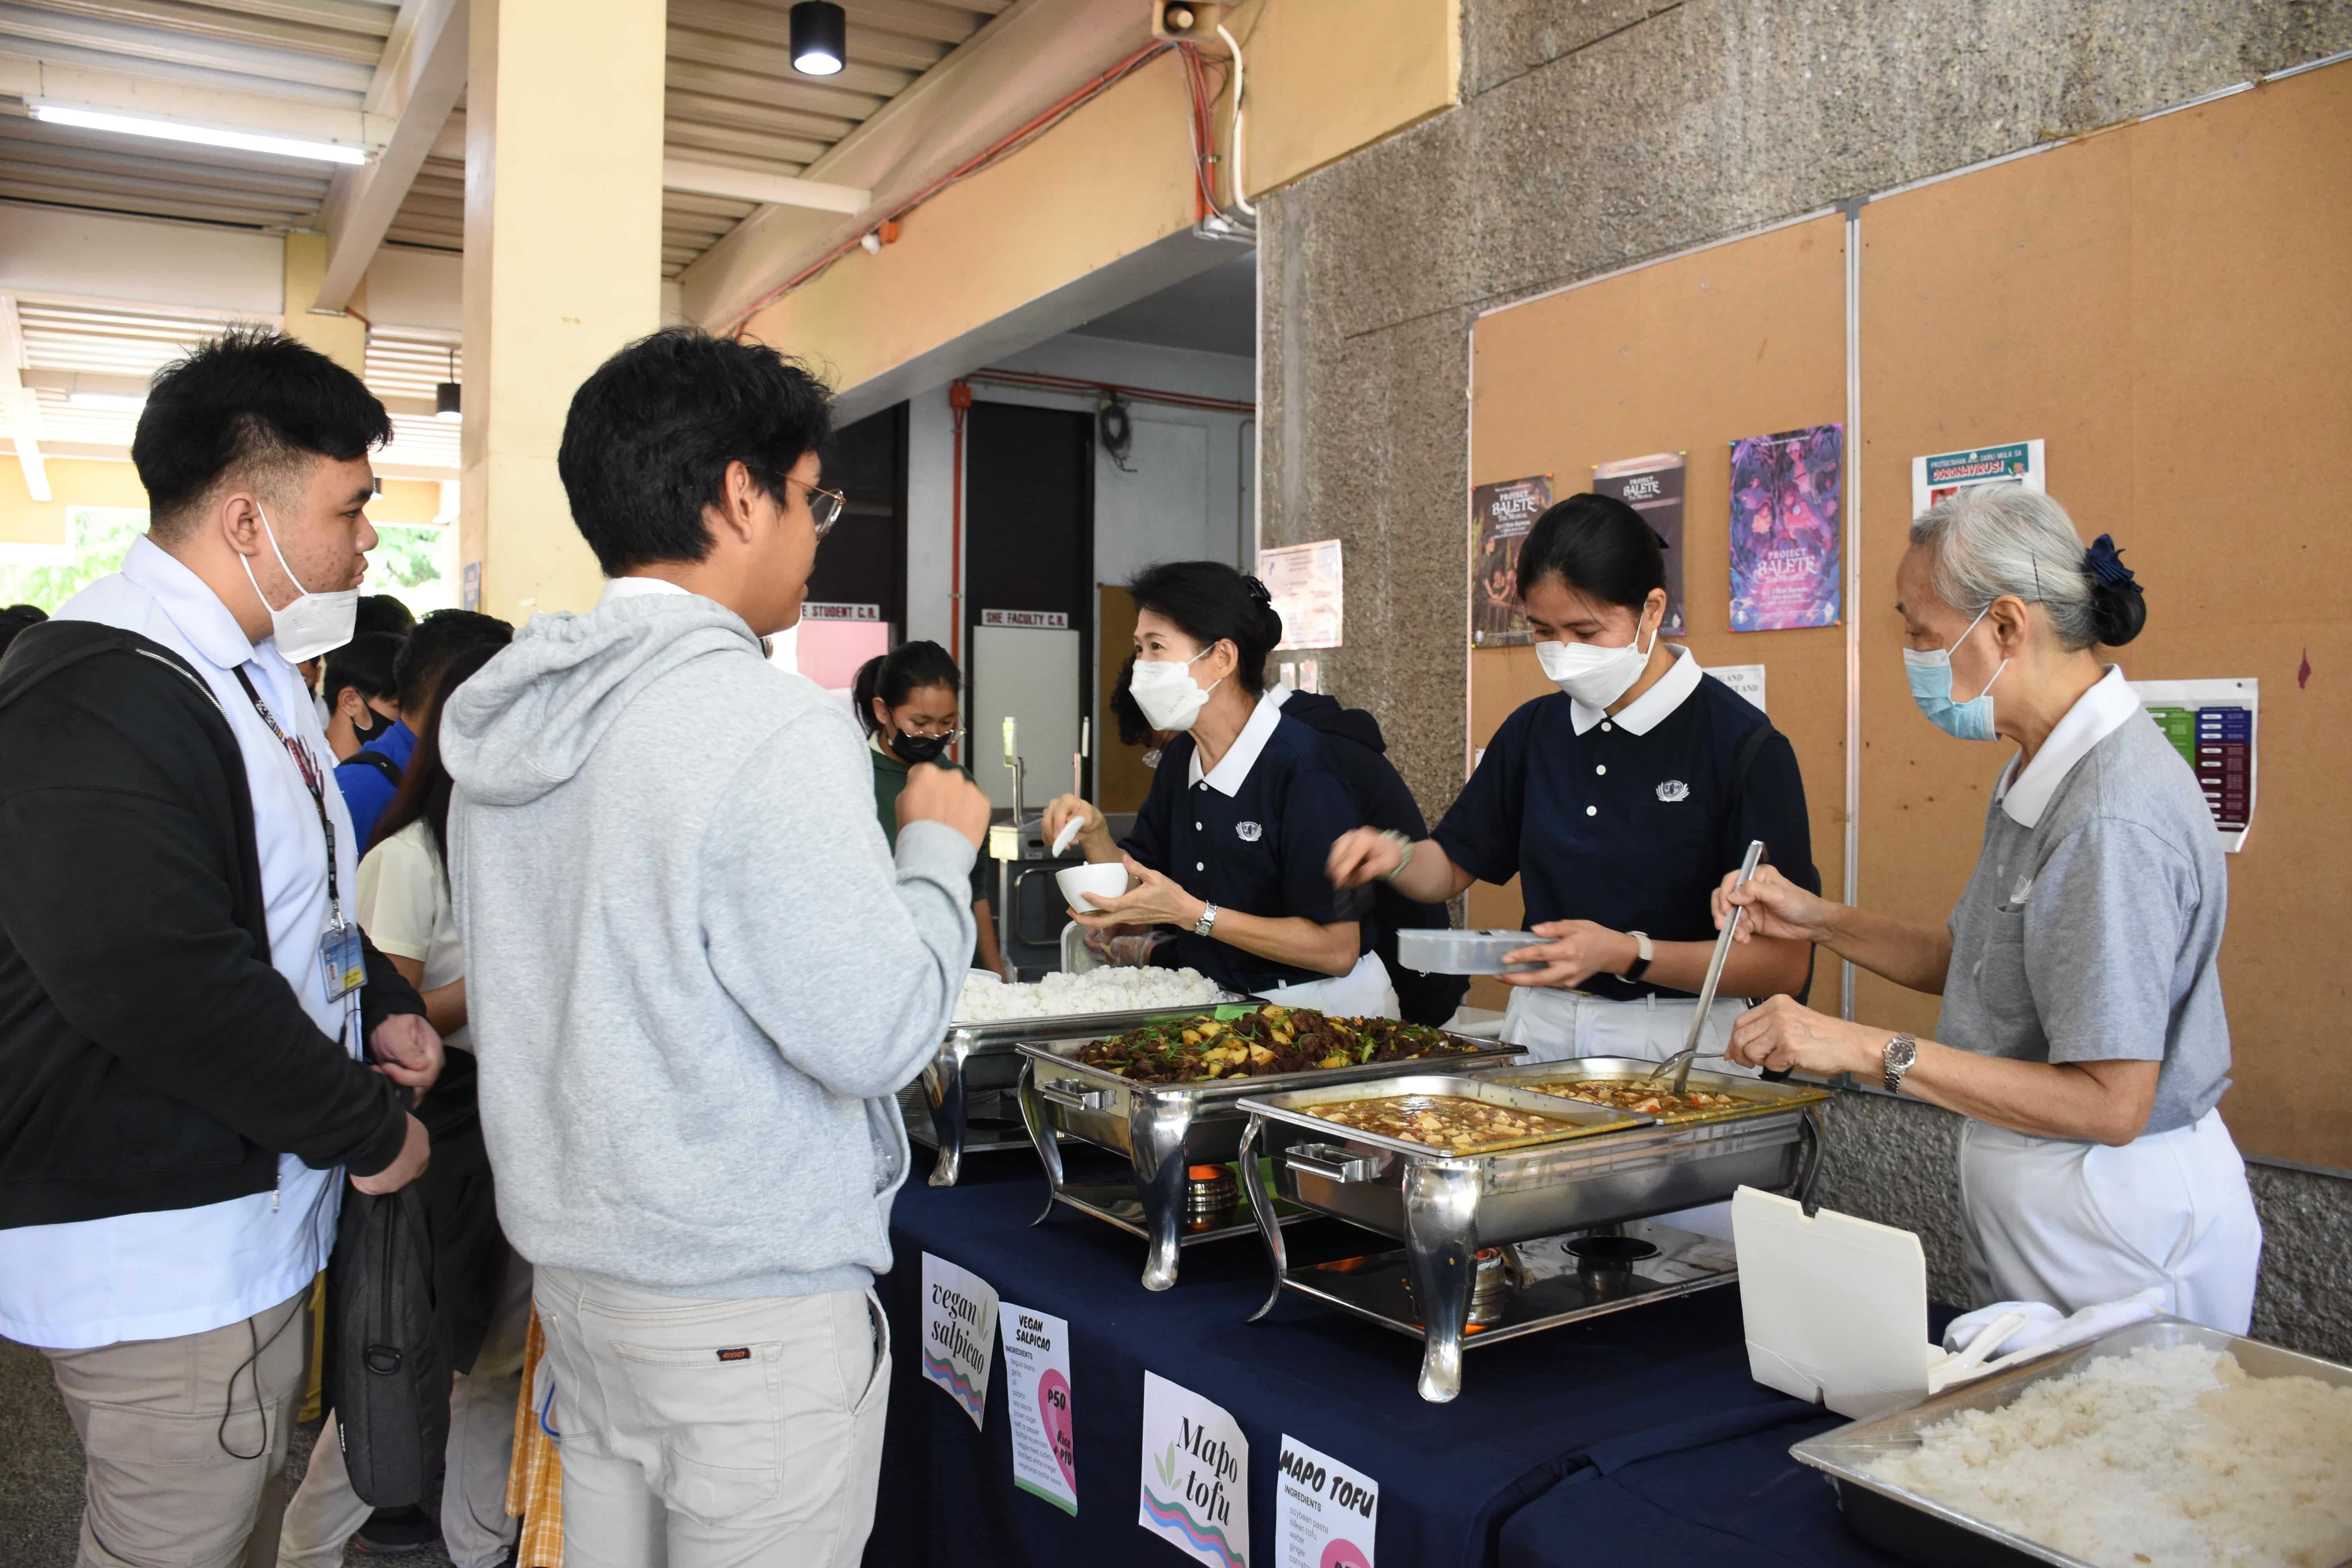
1041,1137
944,1087
1156,1129
1817,1133
1262,1206
1441,1211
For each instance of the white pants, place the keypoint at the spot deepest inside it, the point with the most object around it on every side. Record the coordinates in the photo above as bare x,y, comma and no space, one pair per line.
1558,1025
714,1433
2075,1225
476,1529
1363,991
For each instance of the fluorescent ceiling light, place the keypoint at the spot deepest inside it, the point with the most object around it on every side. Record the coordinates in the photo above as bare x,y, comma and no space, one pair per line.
204,135
123,400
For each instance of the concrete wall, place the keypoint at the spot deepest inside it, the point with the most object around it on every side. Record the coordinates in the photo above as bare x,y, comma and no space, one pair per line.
1591,136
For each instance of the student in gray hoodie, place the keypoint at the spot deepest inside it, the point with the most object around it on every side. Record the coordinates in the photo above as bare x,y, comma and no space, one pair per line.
695,977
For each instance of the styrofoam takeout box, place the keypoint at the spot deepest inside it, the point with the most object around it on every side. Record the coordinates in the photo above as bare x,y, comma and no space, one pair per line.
1464,952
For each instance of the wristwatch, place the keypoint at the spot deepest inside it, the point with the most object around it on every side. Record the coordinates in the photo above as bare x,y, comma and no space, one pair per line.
1643,953
1404,853
1208,921
1901,1052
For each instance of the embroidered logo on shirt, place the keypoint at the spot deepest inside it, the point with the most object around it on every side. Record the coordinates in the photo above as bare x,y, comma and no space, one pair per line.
1674,790
1248,832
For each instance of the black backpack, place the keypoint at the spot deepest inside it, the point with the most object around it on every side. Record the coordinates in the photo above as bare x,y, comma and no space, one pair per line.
388,1374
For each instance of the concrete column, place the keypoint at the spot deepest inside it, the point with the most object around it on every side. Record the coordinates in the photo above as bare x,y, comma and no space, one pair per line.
563,148
340,335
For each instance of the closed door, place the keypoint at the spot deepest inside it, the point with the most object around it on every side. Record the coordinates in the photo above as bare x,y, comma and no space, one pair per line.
1028,593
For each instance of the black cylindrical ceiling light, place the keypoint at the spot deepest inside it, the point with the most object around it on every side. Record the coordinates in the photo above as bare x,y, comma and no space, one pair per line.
446,395
819,38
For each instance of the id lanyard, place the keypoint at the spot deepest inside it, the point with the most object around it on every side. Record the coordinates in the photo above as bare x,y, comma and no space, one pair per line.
339,956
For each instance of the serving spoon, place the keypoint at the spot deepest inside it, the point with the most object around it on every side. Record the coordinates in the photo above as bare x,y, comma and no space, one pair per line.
1681,1060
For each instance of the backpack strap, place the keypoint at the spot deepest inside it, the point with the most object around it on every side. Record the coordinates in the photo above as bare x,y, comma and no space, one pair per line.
391,770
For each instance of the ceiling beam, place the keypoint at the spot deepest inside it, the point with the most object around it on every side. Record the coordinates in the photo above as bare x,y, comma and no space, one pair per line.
16,403
38,80
766,189
420,85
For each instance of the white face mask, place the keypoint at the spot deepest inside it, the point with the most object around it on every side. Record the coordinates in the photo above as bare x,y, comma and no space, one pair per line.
1595,677
314,623
1164,689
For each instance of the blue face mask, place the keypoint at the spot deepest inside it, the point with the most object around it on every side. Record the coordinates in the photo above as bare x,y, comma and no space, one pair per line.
1931,688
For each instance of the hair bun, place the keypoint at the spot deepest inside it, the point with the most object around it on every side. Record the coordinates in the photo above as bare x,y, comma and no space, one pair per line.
2118,609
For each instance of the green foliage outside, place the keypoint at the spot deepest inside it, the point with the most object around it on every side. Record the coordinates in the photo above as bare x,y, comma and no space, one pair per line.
416,563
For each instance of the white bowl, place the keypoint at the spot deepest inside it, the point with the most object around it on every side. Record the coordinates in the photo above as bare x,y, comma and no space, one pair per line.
1104,880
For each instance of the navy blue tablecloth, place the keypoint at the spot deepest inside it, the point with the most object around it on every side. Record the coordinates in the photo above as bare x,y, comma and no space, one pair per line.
1452,1476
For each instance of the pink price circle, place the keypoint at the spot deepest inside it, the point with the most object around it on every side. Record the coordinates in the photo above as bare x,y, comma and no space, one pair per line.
1343,1554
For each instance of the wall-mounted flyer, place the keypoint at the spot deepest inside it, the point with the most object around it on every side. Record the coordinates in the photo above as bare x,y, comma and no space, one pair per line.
1326,1515
1942,474
1500,516
958,1334
1652,485
1747,679
1037,1398
1308,591
1786,522
2211,724
1195,1476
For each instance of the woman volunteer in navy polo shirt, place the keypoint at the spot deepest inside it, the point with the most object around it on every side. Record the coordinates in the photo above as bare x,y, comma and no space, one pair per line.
1231,843
1618,803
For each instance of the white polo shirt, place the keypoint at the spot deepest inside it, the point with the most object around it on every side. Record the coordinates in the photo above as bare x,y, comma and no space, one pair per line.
182,1271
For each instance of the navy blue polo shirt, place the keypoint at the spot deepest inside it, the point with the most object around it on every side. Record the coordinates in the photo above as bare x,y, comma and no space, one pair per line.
1254,835
1632,823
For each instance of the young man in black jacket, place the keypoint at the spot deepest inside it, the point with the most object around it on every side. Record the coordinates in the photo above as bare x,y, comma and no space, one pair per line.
193,1035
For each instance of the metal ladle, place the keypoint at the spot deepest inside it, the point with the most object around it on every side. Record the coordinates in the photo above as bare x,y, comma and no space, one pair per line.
1681,1060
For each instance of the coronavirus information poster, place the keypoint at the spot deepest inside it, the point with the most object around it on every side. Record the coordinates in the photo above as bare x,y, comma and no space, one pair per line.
959,1332
1325,1514
1195,1476
1037,1398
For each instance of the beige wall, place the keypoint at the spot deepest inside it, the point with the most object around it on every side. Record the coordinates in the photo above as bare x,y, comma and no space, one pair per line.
1327,77
1109,180
76,481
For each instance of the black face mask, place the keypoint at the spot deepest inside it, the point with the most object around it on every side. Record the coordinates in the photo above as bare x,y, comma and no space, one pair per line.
365,733
915,749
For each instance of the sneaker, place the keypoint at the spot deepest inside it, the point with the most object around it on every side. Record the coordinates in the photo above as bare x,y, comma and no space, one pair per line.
395,1532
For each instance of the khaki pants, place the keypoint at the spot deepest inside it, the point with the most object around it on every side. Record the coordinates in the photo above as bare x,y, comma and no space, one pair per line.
476,1529
167,1482
715,1434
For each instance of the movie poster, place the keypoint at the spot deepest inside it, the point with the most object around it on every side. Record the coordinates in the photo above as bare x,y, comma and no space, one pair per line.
1500,516
1787,554
1652,485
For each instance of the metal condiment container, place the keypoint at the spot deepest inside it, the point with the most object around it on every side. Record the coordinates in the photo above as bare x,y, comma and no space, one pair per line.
1607,1167
1164,1128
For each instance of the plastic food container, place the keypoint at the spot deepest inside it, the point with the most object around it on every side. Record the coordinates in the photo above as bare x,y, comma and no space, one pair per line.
1464,952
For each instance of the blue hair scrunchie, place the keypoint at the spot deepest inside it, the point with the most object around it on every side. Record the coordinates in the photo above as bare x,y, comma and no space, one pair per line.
2105,564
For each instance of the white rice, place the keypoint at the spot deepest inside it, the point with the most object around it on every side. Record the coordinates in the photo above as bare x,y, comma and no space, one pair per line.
2168,1458
988,1000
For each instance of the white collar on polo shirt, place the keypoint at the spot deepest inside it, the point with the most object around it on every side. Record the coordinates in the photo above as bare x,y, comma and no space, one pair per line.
1234,767
1645,713
637,587
2096,714
208,624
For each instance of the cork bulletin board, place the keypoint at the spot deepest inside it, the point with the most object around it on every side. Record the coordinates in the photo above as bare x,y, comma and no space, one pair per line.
2168,305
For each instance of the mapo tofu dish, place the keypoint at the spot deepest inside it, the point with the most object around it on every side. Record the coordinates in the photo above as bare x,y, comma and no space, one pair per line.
1637,1094
1445,1121
1260,1044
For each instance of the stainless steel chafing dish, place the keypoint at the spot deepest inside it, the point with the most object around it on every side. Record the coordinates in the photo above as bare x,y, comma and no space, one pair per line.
1446,1207
976,1062
1165,1128
1916,1526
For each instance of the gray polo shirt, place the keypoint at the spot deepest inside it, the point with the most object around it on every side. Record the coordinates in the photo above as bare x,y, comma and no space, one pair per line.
2090,929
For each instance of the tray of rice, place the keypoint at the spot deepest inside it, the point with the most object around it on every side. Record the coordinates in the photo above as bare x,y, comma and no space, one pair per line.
2164,1445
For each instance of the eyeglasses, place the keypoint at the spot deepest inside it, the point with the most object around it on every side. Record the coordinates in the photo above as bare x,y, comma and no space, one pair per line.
825,506
929,733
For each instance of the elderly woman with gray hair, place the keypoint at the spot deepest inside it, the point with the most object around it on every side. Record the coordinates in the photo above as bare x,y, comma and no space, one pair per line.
2083,1035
